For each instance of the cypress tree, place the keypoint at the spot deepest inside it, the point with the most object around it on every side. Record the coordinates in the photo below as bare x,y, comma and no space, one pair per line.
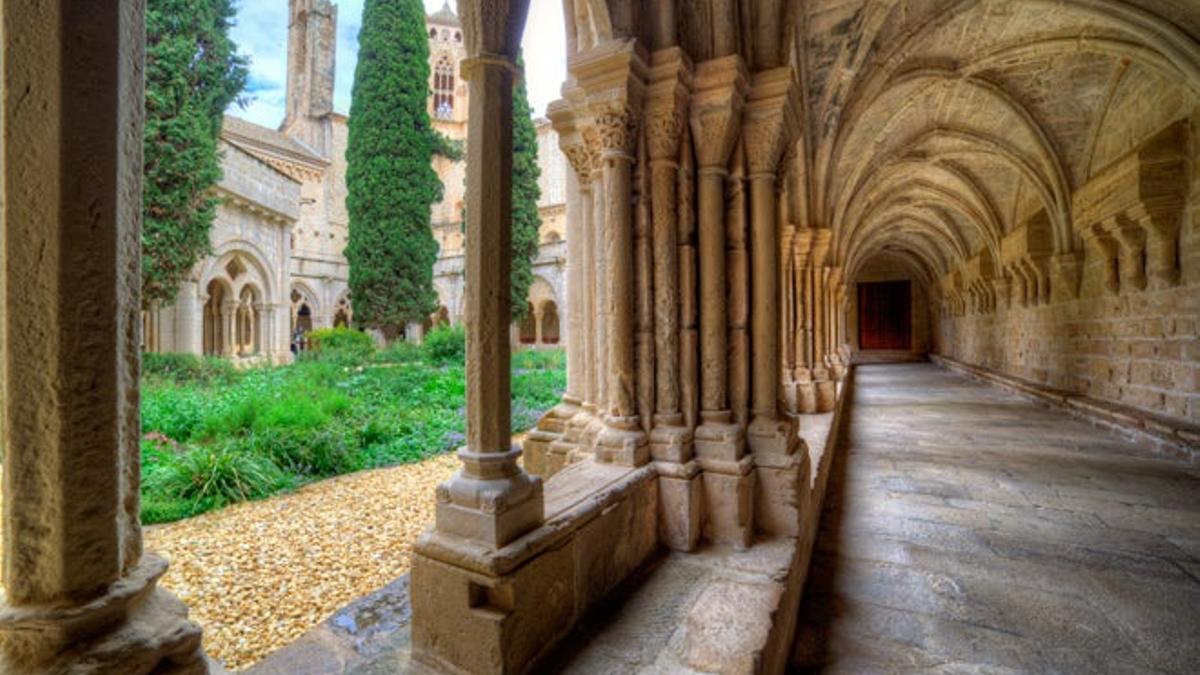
525,218
390,181
193,73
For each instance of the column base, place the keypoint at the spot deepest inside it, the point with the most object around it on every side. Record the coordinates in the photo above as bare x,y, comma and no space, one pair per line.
781,467
591,432
728,480
536,448
825,391
622,442
490,500
806,392
134,629
680,505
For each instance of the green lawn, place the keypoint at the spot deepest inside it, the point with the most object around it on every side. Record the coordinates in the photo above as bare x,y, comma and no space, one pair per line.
213,436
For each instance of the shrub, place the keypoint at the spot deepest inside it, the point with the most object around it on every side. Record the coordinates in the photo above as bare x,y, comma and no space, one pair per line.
218,474
329,451
445,345
400,351
340,345
189,368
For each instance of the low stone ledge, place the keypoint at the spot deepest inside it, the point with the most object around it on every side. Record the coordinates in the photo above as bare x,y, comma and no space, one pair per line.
574,496
482,611
1155,432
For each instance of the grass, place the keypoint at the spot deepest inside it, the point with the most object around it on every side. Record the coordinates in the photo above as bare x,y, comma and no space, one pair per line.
214,436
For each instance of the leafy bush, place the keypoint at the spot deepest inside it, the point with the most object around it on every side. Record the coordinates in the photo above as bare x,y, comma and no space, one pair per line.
340,345
218,474
329,451
188,368
400,351
445,345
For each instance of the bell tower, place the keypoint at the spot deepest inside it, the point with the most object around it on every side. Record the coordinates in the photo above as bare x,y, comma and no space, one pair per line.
312,41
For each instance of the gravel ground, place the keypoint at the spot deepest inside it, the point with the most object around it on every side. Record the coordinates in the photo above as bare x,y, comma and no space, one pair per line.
257,575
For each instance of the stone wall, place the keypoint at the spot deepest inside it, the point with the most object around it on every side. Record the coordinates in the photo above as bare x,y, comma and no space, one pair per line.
1129,337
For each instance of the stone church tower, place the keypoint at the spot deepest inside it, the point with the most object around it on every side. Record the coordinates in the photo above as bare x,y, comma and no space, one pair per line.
312,41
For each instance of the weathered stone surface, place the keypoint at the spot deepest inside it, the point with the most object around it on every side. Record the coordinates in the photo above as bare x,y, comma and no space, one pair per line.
1050,546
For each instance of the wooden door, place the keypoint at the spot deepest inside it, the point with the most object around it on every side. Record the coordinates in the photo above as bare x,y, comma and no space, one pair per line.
885,315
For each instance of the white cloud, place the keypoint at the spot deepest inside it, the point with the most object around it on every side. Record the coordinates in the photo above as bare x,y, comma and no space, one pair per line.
261,34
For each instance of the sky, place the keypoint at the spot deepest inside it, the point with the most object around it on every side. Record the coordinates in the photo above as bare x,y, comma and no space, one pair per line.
261,34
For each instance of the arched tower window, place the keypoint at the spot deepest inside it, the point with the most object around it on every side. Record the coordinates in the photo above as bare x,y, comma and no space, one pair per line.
443,89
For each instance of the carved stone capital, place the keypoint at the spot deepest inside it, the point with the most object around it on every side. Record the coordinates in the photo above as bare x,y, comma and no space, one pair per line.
716,109
770,119
616,127
663,131
667,94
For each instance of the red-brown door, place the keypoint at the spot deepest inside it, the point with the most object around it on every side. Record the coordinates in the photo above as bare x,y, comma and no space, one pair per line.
885,315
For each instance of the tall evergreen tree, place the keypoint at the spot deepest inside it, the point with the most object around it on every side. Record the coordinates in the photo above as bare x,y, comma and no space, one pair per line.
193,73
525,218
390,181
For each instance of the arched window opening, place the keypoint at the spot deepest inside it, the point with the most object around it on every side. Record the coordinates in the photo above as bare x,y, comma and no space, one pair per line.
443,89
247,324
550,334
343,315
527,329
302,322
441,317
215,313
432,33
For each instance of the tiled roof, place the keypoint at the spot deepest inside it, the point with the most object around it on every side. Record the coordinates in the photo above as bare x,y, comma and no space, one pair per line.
240,132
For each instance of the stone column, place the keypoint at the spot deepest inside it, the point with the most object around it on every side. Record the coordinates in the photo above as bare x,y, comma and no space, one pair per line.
189,319
824,387
836,294
806,396
689,338
622,441
598,342
671,444
576,400
229,336
715,116
768,122
491,500
80,593
737,271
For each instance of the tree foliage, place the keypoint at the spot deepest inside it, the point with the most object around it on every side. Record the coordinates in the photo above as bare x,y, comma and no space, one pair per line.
193,73
525,218
390,181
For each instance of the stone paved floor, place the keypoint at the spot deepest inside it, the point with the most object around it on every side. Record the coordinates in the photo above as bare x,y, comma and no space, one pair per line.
967,530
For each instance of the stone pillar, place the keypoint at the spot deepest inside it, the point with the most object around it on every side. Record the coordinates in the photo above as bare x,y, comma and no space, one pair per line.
737,272
577,404
229,336
189,319
715,116
768,122
622,441
491,500
80,592
595,403
806,395
689,338
837,294
824,387
671,444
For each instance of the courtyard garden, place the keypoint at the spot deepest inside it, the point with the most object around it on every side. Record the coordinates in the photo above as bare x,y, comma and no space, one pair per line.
214,435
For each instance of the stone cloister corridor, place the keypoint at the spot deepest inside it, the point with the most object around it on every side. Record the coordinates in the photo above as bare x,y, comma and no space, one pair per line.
970,530
1025,172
